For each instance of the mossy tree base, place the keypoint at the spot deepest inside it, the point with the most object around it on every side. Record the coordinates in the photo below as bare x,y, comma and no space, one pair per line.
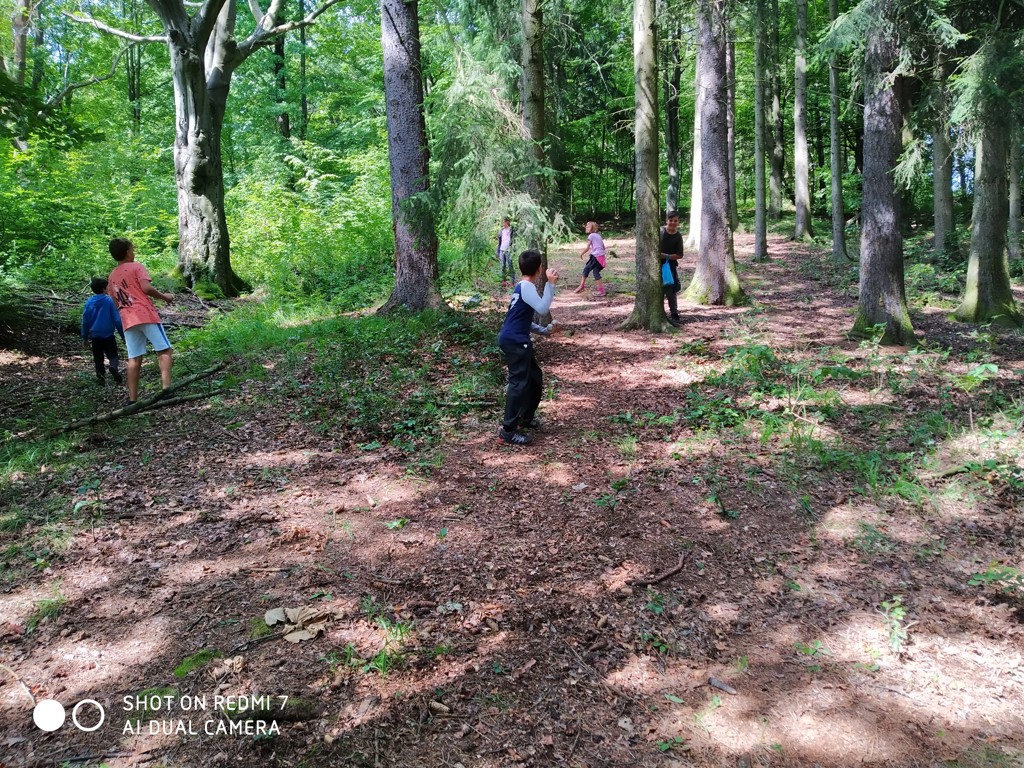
209,283
899,331
1003,315
729,294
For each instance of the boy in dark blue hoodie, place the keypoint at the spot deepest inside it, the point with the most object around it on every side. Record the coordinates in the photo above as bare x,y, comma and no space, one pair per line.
525,379
99,321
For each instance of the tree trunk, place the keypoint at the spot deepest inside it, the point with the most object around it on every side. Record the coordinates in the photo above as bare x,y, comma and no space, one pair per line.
283,121
696,198
730,114
988,296
942,167
303,98
714,280
416,270
760,217
778,143
648,311
673,79
133,73
21,22
836,151
1013,230
883,301
203,244
532,222
801,159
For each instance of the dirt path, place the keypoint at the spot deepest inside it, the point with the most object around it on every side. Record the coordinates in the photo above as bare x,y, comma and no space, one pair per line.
485,612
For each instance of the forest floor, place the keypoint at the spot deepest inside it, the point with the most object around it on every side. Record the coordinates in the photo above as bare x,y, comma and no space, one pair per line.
751,542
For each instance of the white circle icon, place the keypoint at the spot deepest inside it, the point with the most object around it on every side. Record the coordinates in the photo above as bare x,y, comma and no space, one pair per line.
48,715
74,715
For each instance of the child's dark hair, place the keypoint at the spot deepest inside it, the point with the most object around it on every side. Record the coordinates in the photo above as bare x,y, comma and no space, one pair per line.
119,248
98,285
671,215
529,262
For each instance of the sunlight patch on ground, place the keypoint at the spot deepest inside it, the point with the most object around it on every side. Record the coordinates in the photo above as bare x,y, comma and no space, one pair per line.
859,398
827,724
618,578
846,521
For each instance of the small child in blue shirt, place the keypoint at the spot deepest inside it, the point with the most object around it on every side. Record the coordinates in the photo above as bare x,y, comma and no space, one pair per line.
100,319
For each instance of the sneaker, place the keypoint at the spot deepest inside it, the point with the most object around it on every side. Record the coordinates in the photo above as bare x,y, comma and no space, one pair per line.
675,320
533,423
513,438
116,376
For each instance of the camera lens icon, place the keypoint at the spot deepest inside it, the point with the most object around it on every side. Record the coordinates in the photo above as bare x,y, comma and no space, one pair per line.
49,715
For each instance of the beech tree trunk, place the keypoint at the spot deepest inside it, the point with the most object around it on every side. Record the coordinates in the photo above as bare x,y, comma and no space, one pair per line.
715,280
942,167
204,247
673,79
730,113
836,151
801,158
648,311
778,137
760,203
696,196
416,270
883,300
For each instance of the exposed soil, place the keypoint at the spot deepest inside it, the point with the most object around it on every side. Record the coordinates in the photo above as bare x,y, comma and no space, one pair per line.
801,614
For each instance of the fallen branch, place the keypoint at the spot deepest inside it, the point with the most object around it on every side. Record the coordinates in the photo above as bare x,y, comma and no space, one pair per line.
161,399
661,576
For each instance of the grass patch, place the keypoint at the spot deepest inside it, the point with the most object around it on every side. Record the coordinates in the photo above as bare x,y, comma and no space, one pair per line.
45,610
196,661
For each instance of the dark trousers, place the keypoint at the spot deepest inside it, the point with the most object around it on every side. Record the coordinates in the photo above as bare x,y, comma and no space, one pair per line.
105,348
525,385
671,291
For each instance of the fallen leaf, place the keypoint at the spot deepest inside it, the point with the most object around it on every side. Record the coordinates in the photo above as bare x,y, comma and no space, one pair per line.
274,616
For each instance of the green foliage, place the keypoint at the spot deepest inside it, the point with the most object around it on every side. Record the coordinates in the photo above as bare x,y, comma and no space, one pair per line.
317,227
196,661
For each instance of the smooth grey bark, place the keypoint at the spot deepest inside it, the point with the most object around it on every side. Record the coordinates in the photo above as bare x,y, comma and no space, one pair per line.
416,269
883,300
696,197
730,73
673,79
836,151
801,159
714,280
760,203
1014,227
778,138
942,165
648,311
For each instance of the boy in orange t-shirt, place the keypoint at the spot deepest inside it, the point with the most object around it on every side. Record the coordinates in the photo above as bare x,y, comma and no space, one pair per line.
131,289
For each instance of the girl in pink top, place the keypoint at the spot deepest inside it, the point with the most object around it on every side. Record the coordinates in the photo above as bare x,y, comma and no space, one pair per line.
596,262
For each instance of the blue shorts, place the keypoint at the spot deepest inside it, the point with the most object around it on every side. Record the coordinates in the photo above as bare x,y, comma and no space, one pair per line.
135,339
